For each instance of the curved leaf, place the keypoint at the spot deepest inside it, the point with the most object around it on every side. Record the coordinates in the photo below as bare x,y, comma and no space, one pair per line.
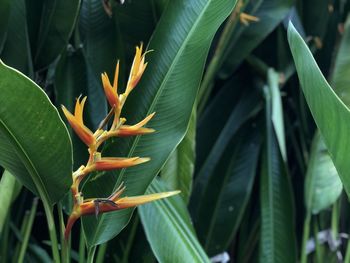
34,143
180,43
331,115
322,183
168,229
57,22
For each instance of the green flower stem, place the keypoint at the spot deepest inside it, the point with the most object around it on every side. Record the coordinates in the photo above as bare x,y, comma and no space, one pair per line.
52,232
27,231
81,246
306,233
91,254
101,252
65,245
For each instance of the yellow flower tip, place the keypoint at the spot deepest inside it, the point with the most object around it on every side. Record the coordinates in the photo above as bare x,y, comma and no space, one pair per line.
112,163
246,18
126,202
77,124
110,92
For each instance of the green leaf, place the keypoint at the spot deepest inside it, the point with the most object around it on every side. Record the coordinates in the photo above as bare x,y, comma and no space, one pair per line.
57,23
101,49
8,190
4,16
178,170
180,43
246,107
169,230
277,241
331,115
17,40
341,79
229,188
322,183
245,38
277,111
34,143
70,82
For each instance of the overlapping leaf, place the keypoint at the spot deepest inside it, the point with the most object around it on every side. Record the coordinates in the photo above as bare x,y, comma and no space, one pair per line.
34,143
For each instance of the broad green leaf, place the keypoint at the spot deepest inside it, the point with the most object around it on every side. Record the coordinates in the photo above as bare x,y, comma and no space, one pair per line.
330,113
178,170
277,240
322,183
8,190
245,38
169,230
180,43
34,143
223,204
57,22
17,40
4,16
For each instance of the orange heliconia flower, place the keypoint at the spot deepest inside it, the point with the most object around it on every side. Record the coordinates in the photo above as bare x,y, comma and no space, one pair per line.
136,129
112,163
137,69
77,123
111,91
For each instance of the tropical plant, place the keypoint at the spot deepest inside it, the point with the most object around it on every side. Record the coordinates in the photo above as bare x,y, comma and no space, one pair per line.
223,113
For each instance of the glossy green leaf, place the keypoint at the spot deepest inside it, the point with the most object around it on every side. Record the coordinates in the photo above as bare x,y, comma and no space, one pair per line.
322,183
57,23
4,16
277,241
34,143
247,37
330,113
17,40
169,230
178,170
222,207
180,43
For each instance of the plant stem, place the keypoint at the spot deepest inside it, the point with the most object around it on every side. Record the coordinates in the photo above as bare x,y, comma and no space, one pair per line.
91,254
101,252
52,232
81,246
317,243
306,233
65,244
347,253
27,231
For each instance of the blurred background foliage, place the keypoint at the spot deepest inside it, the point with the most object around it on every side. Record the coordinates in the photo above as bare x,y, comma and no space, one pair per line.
257,182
